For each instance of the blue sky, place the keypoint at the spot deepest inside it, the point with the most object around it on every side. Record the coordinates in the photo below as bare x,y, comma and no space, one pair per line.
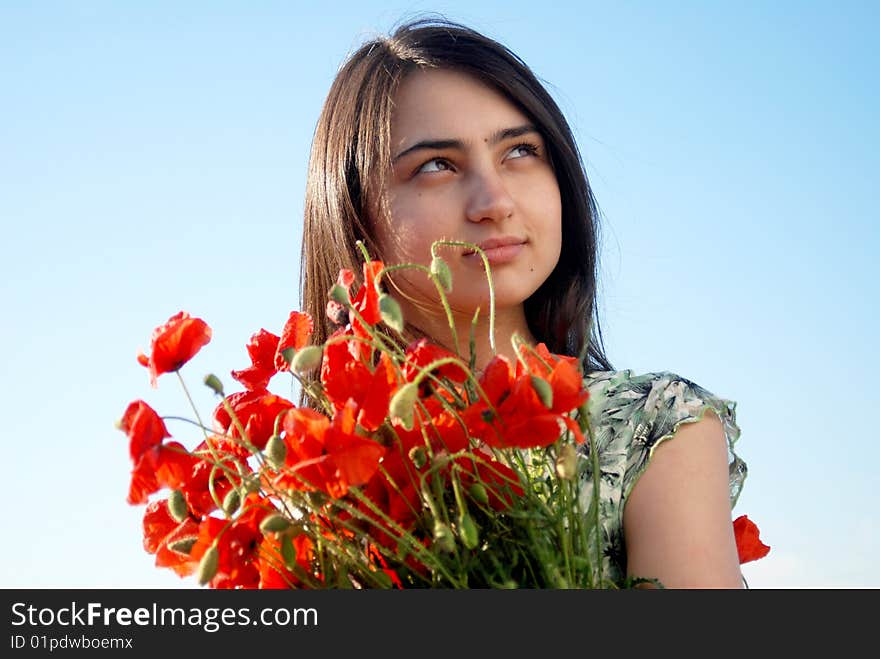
153,157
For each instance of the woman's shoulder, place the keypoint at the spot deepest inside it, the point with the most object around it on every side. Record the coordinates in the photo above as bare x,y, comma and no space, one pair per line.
650,392
639,411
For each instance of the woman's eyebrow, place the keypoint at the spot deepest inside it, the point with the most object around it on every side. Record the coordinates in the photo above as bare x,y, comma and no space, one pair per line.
494,138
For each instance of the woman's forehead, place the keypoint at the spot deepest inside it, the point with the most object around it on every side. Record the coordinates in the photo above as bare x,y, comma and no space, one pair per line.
448,104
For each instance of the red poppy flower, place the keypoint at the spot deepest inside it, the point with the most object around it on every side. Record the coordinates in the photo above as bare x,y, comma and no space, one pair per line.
538,360
394,490
173,344
345,377
154,464
296,334
165,465
343,374
421,353
196,488
238,543
256,412
273,571
748,541
262,349
515,415
161,531
327,455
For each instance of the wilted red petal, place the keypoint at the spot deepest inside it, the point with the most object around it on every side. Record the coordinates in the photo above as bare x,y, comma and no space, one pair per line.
143,481
748,541
261,348
367,299
144,427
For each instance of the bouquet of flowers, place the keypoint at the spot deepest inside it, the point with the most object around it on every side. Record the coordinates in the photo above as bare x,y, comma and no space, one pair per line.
399,468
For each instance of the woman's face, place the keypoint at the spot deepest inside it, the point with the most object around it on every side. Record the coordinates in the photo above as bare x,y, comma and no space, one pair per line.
468,165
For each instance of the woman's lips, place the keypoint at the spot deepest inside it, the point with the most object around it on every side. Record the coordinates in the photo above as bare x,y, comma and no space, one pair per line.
498,254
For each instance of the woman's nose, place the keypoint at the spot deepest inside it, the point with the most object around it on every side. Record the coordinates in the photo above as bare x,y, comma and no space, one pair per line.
488,198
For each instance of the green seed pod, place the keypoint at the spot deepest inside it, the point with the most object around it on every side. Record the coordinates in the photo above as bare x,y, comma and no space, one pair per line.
274,524
419,456
544,391
478,493
208,565
391,312
443,537
440,269
566,462
183,545
402,404
214,383
307,359
339,294
231,502
467,531
276,451
177,505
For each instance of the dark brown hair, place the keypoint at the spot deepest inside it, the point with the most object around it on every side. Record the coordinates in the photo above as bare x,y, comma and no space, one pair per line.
351,153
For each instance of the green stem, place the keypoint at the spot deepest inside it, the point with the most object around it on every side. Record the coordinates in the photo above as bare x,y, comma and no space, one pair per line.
488,270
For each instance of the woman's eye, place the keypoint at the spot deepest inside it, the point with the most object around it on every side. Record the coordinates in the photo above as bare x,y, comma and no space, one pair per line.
523,150
434,165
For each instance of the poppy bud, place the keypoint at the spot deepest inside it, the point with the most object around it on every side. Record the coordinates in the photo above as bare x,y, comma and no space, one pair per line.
478,493
276,451
443,537
274,524
214,383
287,355
177,506
306,359
339,294
467,531
440,270
251,483
288,551
418,456
391,313
402,403
231,502
183,545
544,391
208,565
566,462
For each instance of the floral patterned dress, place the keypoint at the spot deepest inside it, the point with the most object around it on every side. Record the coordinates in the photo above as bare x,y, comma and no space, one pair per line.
630,416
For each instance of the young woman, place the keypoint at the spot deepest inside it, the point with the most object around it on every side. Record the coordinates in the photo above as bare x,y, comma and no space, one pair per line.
438,132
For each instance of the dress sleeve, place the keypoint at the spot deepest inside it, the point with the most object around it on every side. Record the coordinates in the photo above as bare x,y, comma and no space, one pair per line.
671,401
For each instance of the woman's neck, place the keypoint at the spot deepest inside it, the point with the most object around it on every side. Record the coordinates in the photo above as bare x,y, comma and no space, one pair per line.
508,321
